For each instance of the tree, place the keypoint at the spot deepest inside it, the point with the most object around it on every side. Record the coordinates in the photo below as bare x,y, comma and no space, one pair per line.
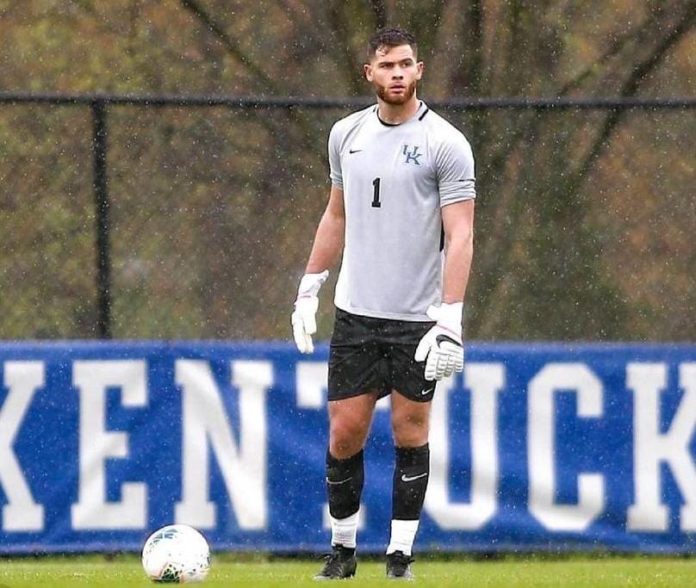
214,209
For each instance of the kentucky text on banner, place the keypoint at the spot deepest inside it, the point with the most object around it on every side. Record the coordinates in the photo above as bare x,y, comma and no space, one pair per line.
534,447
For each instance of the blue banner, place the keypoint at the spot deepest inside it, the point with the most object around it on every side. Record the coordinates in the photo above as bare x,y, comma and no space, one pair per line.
534,447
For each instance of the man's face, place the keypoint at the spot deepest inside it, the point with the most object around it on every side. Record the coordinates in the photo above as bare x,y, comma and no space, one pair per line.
394,73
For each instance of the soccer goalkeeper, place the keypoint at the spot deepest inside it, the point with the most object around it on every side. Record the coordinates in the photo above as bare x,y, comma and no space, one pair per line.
401,212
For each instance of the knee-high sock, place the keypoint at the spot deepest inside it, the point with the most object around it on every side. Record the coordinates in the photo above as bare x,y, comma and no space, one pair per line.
344,484
411,473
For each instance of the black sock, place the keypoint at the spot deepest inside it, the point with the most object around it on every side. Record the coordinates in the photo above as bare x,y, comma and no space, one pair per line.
411,473
344,484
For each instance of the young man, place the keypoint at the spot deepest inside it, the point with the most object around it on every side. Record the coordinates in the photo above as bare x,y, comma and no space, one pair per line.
402,179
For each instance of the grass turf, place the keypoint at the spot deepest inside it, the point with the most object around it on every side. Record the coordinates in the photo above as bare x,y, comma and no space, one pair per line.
98,572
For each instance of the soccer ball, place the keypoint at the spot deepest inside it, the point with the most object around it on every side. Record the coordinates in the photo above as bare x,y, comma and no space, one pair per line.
176,554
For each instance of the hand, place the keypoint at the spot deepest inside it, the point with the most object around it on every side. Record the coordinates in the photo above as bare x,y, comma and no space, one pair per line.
441,347
304,323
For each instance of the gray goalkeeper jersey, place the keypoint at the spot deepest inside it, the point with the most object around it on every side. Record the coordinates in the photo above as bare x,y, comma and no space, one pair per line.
395,180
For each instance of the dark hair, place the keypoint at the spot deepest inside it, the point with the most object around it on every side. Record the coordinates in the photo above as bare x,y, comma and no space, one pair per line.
390,38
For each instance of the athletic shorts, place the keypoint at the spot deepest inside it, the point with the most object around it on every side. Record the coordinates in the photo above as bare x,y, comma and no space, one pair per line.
369,354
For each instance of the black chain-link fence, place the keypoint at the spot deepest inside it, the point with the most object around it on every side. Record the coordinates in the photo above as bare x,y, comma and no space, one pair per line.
211,207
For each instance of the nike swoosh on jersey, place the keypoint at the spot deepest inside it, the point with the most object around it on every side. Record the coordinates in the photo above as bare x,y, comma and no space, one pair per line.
351,151
405,478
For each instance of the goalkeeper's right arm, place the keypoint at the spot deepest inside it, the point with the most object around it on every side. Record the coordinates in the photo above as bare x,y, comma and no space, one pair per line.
328,241
327,248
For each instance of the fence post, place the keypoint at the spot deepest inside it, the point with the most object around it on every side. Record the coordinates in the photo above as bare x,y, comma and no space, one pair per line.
101,201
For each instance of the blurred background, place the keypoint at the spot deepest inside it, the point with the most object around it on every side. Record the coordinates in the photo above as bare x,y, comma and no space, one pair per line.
586,217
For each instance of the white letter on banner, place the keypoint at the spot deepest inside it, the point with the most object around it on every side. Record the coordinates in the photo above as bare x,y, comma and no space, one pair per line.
97,444
651,447
485,380
243,466
541,447
310,383
21,513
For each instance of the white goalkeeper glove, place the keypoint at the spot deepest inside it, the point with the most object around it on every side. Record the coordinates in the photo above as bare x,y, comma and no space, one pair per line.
441,347
304,322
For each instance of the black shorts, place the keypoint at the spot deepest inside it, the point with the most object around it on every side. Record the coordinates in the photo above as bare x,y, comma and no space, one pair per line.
369,354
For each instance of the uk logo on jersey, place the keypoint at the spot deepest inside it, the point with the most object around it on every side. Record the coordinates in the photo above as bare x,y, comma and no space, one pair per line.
412,155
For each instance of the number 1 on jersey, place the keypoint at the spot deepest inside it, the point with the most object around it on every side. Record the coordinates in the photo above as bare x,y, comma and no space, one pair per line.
375,195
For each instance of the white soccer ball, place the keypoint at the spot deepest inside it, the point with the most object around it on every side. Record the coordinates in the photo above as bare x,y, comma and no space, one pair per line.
176,554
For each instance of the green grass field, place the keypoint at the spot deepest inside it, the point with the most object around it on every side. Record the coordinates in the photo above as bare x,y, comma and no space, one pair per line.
97,572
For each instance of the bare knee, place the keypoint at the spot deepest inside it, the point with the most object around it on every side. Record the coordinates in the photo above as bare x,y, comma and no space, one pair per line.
410,430
349,424
346,437
410,421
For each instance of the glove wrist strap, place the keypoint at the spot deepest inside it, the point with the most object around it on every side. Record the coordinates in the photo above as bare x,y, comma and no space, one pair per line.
311,283
450,317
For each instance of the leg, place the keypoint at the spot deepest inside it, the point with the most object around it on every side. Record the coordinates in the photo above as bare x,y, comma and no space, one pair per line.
355,376
411,399
410,421
349,424
410,426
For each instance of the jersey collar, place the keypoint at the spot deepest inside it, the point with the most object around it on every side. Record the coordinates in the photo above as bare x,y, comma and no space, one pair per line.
419,114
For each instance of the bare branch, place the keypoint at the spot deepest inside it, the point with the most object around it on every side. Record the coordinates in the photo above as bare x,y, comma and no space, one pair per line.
232,47
637,35
594,68
630,88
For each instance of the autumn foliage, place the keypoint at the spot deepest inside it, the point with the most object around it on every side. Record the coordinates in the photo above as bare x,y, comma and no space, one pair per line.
586,219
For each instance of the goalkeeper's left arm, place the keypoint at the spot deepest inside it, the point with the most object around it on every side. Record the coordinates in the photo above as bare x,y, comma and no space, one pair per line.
442,346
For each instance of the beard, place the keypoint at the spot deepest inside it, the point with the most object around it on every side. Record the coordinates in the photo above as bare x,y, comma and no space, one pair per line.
398,99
